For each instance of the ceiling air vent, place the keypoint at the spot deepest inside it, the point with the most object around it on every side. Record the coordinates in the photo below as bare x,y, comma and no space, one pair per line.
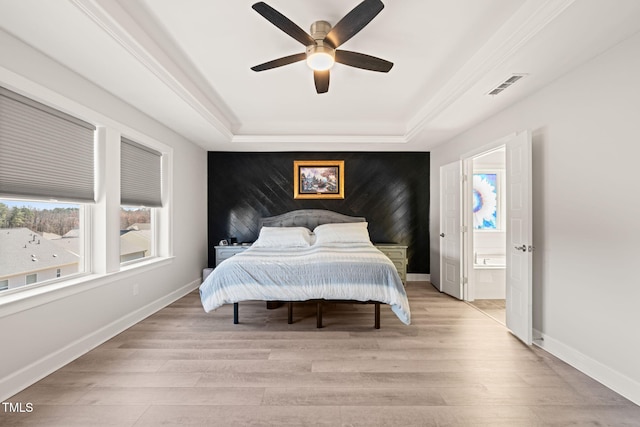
505,84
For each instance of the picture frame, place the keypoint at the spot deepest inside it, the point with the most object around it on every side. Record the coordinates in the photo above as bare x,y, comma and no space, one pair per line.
318,179
487,206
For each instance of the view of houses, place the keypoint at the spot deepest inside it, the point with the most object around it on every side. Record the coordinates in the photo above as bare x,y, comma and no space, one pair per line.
33,251
135,242
27,257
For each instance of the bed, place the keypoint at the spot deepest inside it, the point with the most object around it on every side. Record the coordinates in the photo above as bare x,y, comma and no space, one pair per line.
309,255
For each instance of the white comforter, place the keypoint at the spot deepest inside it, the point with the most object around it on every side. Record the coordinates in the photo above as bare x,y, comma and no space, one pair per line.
339,271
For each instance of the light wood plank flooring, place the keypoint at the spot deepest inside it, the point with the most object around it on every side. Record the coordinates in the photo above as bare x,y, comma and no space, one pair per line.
453,366
495,308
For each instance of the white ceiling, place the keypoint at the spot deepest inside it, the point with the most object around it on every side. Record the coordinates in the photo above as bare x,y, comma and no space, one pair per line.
187,64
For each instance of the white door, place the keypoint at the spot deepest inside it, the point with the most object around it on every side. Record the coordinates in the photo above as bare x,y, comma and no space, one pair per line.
519,237
450,236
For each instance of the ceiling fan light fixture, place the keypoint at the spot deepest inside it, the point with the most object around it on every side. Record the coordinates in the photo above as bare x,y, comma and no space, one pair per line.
320,58
323,41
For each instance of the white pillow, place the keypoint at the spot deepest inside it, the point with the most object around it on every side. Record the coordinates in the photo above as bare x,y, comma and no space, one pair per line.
283,237
348,232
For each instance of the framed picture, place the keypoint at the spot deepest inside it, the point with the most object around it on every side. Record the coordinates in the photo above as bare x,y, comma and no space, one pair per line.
487,201
318,179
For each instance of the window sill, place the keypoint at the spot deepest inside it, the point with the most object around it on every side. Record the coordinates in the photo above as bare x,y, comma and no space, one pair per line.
143,265
39,295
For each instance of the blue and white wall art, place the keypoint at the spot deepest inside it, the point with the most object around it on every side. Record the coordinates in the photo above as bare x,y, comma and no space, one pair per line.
485,201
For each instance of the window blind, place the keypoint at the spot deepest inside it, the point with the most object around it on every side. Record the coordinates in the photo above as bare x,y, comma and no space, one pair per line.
44,153
140,175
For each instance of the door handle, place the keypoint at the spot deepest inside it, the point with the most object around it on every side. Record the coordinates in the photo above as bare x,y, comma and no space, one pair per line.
522,248
441,234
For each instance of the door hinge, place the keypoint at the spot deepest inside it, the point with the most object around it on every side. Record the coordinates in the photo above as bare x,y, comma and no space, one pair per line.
465,280
463,228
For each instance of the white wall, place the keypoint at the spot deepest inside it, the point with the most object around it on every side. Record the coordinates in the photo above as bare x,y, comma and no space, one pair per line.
586,146
40,335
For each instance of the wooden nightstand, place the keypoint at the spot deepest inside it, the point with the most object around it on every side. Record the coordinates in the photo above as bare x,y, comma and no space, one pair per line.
398,255
225,252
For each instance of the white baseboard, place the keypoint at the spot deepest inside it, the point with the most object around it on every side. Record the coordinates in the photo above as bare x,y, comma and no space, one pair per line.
34,372
611,378
418,277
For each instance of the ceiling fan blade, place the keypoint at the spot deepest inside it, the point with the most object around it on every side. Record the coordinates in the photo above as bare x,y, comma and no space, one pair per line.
321,78
286,60
360,60
284,23
353,22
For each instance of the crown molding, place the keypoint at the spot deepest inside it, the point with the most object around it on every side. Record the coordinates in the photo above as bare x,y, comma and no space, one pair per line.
120,26
320,139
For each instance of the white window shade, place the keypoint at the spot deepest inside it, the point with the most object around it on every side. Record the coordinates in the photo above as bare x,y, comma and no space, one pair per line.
44,153
140,175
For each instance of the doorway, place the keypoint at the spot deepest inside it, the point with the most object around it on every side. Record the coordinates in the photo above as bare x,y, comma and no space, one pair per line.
457,252
486,241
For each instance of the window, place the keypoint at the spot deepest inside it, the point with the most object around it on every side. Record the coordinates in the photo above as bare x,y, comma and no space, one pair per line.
140,193
45,155
52,221
136,233
42,237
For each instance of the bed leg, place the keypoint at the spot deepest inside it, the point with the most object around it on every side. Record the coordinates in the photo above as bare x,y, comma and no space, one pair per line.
289,312
319,315
377,315
235,313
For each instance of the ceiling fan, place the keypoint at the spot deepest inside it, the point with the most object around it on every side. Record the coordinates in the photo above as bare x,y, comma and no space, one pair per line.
323,42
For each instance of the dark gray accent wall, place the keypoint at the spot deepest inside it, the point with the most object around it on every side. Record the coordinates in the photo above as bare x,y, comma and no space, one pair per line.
389,189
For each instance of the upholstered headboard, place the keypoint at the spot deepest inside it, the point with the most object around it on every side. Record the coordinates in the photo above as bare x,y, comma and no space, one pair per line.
309,218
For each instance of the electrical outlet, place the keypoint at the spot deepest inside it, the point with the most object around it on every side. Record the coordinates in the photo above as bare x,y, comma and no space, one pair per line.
136,289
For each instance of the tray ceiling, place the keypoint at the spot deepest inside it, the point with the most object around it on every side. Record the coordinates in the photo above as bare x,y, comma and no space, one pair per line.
187,64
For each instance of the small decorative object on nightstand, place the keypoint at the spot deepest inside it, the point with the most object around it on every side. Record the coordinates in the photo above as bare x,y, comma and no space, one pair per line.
398,255
227,251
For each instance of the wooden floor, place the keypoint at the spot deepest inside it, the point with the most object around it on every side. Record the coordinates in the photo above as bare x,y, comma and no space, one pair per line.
495,308
453,366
